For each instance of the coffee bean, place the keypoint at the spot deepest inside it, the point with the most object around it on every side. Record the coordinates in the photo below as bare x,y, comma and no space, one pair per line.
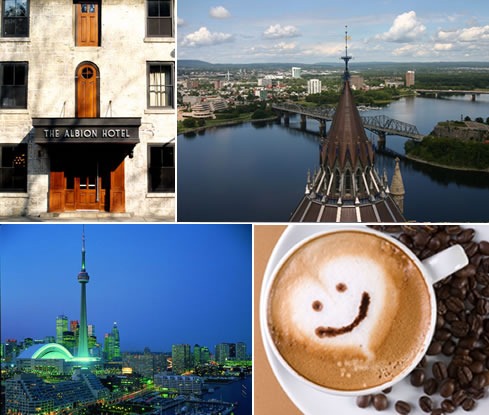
477,368
478,381
459,397
434,348
467,343
478,394
406,239
453,229
440,371
430,386
387,390
417,377
448,406
459,328
364,401
447,388
482,277
448,348
464,375
434,243
380,402
402,407
425,404
454,304
478,355
420,239
482,306
467,271
484,247
476,259
471,248
410,230
442,334
468,404
437,411
465,236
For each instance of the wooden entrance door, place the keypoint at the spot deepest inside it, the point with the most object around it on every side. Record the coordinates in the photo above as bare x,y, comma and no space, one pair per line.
87,91
87,24
88,192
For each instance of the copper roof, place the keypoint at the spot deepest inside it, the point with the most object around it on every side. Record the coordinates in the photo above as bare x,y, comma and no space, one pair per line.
346,139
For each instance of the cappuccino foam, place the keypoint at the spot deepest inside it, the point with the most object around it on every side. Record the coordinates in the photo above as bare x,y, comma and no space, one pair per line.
349,310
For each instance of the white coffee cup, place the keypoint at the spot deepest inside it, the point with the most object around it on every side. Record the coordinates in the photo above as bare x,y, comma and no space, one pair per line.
431,269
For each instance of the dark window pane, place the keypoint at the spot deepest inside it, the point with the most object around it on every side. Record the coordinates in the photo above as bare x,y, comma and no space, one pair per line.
8,74
153,9
168,158
19,78
165,9
9,8
20,97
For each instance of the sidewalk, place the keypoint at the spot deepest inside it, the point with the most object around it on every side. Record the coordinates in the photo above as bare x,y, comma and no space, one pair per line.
86,218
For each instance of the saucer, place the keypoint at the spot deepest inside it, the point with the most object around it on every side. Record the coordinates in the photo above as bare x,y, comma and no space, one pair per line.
312,401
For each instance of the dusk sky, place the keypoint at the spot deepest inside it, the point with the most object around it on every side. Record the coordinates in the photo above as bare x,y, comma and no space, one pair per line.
311,31
162,284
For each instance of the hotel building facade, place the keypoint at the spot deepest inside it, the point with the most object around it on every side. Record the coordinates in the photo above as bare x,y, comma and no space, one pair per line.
87,107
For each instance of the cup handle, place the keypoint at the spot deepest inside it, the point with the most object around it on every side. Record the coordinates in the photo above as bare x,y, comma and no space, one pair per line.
446,262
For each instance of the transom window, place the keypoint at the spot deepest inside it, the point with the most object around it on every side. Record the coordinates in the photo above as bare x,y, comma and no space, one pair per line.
13,85
15,18
160,18
87,73
160,85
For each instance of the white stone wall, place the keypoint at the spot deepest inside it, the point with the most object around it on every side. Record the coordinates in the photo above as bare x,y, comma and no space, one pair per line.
122,60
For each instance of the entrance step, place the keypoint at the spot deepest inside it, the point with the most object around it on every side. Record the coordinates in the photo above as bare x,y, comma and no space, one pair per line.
85,215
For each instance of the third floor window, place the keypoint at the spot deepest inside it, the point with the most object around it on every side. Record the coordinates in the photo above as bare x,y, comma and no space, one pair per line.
15,18
160,18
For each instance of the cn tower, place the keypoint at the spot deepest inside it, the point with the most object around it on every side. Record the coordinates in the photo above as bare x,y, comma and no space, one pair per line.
83,331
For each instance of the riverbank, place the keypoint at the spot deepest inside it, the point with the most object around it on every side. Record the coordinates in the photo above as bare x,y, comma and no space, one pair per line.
443,166
225,123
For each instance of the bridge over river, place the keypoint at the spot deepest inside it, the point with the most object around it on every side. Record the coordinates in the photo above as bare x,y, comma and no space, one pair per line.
381,125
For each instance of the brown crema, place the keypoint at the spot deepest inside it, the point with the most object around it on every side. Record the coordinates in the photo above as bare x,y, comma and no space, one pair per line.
396,335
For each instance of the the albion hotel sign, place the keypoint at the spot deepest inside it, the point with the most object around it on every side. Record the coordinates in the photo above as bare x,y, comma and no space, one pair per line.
120,130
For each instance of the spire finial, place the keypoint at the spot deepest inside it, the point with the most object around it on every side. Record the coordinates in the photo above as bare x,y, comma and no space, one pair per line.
346,58
83,249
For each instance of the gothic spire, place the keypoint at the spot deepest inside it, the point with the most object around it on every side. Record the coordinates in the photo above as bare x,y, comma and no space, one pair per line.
346,58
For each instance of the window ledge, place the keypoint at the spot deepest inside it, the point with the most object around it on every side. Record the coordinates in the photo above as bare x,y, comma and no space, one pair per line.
159,39
15,39
159,110
159,195
14,195
14,111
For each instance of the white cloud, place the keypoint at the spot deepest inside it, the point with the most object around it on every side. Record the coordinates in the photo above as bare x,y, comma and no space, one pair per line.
180,22
413,50
440,47
406,28
219,12
279,31
203,37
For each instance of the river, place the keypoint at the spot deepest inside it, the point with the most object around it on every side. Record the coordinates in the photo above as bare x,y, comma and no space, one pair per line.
239,392
257,172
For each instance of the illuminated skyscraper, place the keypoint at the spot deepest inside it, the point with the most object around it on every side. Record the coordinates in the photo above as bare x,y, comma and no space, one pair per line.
116,355
61,326
83,332
180,354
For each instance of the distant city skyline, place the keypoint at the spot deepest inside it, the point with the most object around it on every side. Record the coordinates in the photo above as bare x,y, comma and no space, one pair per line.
312,31
162,284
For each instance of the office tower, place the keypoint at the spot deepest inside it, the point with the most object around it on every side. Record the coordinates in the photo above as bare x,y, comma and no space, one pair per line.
410,78
240,351
61,327
222,352
313,86
296,72
116,352
181,360
83,279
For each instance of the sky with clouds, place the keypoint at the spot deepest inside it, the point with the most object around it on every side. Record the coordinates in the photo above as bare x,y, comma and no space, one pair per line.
311,31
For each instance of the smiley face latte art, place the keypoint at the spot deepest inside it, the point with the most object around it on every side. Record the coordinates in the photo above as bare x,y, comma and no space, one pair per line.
349,310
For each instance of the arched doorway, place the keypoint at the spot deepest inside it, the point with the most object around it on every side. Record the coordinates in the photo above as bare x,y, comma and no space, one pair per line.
87,91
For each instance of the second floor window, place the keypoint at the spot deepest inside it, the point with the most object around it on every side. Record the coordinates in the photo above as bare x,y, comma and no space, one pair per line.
160,21
160,85
15,18
13,85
